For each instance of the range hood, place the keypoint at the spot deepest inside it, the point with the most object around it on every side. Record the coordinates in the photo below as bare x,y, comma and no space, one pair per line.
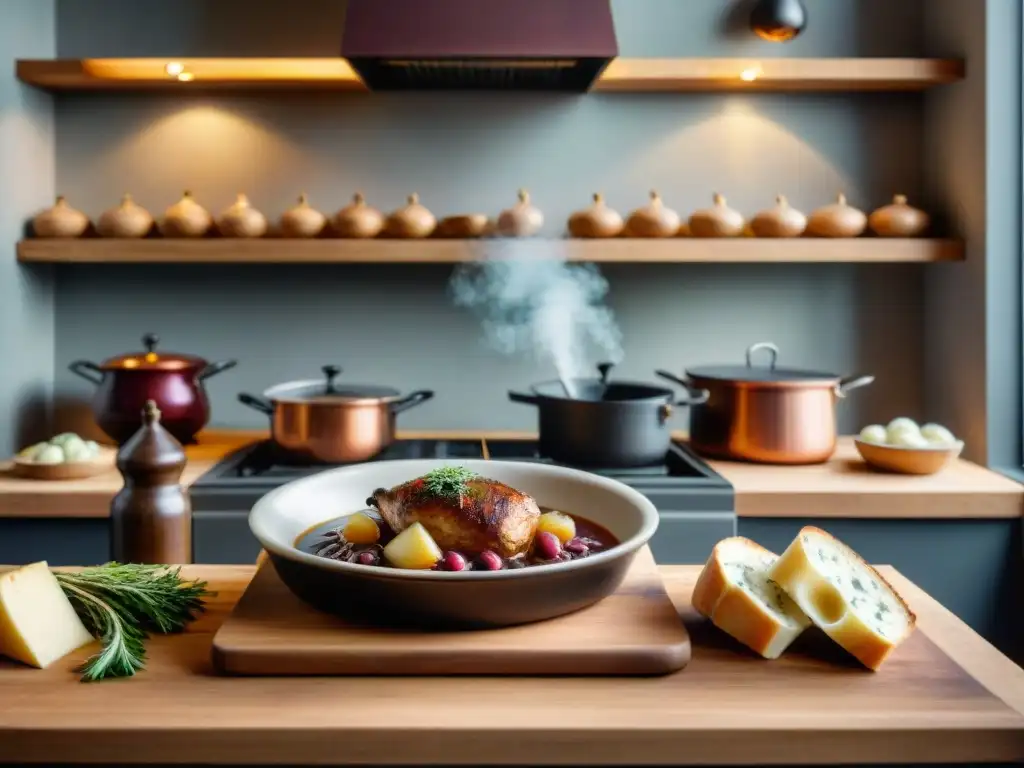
532,45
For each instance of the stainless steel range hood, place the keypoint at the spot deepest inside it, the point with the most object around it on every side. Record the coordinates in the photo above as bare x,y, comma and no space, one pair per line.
534,45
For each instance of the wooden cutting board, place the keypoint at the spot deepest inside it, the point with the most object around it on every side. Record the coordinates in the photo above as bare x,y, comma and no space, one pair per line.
635,631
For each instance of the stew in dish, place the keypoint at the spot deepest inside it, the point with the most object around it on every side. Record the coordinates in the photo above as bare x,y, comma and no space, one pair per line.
454,520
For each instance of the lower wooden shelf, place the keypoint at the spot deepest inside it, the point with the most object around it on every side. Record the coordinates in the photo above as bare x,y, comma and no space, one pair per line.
670,250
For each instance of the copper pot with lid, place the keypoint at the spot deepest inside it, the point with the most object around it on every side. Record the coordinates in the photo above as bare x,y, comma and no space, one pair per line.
323,421
766,413
173,381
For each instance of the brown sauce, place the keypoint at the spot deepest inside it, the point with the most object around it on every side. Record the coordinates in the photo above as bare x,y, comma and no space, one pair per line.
326,540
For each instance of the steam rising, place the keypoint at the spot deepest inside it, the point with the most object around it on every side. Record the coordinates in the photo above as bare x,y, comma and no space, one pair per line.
537,303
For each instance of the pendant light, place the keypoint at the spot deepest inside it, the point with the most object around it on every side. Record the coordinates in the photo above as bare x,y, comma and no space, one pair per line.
778,21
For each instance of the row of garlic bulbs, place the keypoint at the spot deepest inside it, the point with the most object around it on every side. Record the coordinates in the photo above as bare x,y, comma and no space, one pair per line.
187,218
839,219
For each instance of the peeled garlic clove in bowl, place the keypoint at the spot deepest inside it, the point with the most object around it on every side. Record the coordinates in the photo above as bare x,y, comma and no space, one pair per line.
60,220
240,219
781,221
599,220
302,220
839,219
898,219
653,220
523,219
186,218
129,219
717,221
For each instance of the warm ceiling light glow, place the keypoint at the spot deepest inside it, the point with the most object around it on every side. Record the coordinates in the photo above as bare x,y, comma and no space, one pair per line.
750,74
174,68
186,77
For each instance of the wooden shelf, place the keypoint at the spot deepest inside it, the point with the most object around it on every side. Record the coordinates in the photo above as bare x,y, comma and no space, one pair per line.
672,250
623,75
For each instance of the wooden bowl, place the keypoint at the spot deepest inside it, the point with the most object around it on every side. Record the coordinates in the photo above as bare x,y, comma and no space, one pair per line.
908,461
72,470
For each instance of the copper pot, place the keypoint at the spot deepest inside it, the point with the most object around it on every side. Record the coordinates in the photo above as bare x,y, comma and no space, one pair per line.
764,413
322,421
174,382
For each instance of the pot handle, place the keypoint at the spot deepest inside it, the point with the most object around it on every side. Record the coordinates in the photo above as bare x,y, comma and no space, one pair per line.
257,403
774,350
409,401
88,371
852,382
522,397
697,396
214,368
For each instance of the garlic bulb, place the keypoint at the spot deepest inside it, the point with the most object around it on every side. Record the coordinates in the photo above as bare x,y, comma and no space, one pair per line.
653,220
186,218
837,220
240,219
126,220
521,220
780,221
463,225
898,219
302,220
717,221
357,219
61,220
413,220
596,221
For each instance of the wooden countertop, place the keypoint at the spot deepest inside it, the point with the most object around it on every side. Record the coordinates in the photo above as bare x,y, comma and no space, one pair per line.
727,706
843,487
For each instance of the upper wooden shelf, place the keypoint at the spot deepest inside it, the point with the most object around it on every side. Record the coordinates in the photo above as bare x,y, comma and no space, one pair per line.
431,251
623,75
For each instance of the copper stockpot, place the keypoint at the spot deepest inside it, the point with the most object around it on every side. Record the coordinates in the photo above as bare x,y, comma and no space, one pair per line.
766,414
320,421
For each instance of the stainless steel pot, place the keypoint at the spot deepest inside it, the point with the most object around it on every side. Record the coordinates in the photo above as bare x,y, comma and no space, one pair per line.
319,420
764,413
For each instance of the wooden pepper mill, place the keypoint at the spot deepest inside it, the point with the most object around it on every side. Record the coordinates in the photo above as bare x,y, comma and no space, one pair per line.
151,516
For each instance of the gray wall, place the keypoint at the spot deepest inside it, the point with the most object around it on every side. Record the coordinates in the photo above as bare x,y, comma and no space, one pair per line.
394,324
26,185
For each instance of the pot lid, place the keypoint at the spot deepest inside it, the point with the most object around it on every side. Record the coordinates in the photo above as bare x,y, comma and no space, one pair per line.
762,374
595,390
326,390
151,360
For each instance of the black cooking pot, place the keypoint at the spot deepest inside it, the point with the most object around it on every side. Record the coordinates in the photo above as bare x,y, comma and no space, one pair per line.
606,424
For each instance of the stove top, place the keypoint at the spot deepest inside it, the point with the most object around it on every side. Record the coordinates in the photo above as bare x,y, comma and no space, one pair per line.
260,467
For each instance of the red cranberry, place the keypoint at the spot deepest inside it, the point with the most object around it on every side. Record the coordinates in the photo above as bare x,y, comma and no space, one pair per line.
453,561
547,546
576,547
490,561
367,558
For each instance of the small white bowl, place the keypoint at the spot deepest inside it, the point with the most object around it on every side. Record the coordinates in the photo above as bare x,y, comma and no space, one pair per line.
908,461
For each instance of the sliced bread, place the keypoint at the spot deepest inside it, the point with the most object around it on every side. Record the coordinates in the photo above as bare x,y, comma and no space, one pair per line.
843,595
734,592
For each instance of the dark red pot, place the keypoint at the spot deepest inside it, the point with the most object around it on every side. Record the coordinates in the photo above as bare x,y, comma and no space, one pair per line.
174,382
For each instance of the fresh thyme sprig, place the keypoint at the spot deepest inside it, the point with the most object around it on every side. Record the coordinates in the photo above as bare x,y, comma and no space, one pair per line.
120,603
448,482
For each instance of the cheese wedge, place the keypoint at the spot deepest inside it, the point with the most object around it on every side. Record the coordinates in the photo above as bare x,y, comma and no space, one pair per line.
844,596
38,624
734,592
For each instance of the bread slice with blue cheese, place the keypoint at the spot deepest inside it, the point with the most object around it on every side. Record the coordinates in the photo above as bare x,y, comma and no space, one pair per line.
844,596
735,593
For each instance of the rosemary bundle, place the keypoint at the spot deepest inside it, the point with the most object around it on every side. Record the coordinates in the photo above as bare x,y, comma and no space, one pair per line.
122,603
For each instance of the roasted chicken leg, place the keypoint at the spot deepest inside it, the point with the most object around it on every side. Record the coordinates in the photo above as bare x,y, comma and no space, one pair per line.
462,512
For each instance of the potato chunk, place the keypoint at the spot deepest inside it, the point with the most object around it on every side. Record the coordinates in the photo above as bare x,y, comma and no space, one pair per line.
361,529
413,549
558,523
